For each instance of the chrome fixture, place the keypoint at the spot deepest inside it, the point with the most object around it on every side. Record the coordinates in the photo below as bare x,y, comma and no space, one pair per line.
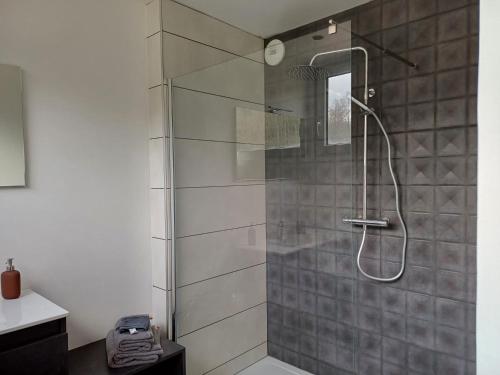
272,109
383,223
311,72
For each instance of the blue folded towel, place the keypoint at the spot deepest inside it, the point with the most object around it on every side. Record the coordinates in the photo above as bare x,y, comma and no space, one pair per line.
139,322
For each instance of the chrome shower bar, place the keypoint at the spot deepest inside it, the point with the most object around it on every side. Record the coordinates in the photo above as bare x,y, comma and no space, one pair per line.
364,221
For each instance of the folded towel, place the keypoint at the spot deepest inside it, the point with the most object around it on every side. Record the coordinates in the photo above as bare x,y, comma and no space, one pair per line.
118,358
138,342
139,322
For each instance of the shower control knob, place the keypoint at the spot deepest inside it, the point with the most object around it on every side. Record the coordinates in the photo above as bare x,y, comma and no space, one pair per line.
371,92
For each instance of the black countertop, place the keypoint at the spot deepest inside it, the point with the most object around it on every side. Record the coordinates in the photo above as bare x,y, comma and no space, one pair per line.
91,359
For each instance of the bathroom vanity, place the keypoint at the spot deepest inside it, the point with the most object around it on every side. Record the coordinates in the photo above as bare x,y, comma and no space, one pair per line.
33,338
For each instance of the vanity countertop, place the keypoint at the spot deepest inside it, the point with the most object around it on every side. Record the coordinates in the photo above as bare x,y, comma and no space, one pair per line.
28,310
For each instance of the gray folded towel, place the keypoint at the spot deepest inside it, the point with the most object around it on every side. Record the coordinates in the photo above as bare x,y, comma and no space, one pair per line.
118,358
139,322
138,342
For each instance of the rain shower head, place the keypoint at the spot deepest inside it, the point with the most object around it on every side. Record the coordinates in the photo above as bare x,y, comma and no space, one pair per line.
308,73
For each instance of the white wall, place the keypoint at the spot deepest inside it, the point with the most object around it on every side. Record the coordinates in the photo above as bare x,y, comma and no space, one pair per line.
488,298
79,231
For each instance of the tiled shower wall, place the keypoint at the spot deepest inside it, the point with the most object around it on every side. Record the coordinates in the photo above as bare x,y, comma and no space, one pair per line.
219,217
323,316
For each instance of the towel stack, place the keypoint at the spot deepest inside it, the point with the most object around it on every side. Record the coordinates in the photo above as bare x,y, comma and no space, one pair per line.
132,342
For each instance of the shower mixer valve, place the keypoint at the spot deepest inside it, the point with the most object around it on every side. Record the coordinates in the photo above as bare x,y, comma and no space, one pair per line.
380,223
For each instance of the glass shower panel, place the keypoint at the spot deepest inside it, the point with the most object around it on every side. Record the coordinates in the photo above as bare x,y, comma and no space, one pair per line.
263,178
310,174
218,117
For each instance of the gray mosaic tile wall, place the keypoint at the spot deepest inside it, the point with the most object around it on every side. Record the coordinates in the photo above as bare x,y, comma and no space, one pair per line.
323,316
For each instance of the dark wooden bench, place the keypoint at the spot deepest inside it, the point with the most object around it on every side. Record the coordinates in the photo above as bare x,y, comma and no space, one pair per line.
91,360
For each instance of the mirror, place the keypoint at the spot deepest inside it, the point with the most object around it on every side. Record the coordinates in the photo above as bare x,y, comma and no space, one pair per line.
12,162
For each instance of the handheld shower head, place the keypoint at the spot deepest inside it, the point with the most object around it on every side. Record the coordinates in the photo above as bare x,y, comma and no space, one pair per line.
361,105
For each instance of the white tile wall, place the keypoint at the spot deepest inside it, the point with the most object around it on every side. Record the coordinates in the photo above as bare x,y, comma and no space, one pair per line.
207,163
256,56
237,78
153,23
208,255
221,274
159,262
221,342
250,163
153,44
250,126
194,25
214,118
157,204
156,112
204,303
203,210
190,56
156,163
159,306
241,362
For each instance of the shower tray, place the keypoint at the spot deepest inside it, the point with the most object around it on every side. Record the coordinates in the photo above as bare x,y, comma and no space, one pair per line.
272,366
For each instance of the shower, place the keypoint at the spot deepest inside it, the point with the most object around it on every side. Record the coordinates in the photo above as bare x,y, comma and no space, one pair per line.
312,72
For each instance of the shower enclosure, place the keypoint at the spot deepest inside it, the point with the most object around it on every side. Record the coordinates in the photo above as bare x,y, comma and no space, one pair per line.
320,215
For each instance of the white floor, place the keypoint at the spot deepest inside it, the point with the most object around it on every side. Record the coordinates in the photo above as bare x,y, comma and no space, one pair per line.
271,366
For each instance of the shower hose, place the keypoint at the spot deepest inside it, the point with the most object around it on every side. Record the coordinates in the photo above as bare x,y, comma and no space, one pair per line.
398,208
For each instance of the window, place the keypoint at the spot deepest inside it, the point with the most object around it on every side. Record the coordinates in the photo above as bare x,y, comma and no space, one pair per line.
338,129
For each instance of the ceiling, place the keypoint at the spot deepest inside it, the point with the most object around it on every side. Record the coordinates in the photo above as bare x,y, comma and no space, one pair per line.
269,17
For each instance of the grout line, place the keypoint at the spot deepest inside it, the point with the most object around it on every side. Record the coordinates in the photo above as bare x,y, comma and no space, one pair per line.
217,48
157,287
155,86
220,275
217,19
257,183
156,32
265,355
219,141
437,101
425,75
218,95
221,186
221,320
411,131
221,230
232,359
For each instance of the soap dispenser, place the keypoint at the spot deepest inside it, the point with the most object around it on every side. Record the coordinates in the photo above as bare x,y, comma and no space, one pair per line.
11,281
